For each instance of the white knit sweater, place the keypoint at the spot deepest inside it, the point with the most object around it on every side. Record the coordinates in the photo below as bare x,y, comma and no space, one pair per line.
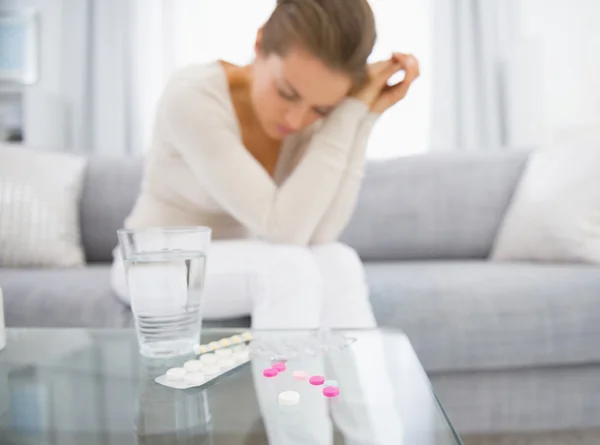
198,171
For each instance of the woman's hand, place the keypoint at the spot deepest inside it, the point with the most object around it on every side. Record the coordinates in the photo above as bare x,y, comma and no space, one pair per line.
391,94
375,91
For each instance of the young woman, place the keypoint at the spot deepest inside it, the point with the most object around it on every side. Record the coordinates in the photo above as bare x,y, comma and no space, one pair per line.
271,156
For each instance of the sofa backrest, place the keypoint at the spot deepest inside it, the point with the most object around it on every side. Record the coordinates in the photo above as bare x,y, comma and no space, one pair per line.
432,206
444,205
110,188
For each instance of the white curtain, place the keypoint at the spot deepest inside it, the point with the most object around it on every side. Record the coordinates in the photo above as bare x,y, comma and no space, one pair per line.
106,62
472,81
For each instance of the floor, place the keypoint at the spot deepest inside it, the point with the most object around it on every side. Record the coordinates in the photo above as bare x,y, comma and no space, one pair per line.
562,438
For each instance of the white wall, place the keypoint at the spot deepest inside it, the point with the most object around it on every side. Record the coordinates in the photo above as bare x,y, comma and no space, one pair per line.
557,99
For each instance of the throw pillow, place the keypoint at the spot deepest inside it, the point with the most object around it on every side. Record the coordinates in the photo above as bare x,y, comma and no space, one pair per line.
39,208
555,213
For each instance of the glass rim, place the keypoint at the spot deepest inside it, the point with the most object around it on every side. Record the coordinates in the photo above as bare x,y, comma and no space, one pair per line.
170,229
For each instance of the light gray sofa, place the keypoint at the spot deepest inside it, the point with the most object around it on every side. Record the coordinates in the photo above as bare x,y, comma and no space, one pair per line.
509,347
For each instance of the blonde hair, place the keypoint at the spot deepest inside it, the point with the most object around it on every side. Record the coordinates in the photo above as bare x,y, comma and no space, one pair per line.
341,33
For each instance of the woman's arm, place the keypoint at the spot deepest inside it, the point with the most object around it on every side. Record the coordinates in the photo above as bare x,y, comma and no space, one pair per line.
342,208
199,124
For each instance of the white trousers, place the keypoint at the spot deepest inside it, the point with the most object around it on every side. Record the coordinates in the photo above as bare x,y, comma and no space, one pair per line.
281,286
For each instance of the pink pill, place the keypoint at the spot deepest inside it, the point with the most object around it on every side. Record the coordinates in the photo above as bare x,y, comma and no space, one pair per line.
331,391
316,380
279,366
270,372
300,375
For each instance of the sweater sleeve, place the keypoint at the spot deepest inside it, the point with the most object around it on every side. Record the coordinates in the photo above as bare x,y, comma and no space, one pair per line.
338,215
200,125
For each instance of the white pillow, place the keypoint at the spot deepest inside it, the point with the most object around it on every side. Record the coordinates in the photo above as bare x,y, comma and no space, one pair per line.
555,213
39,208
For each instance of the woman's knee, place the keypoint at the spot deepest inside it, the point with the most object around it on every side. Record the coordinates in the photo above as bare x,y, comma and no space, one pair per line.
339,259
291,270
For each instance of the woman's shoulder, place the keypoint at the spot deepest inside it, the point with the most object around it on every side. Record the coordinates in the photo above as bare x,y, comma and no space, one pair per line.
202,85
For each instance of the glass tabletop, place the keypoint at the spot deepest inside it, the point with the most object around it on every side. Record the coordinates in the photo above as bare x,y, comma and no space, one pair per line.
79,386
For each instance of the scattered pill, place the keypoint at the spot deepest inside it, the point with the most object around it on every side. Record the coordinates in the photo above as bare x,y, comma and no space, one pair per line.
270,372
331,391
279,366
193,366
316,380
289,398
176,374
300,375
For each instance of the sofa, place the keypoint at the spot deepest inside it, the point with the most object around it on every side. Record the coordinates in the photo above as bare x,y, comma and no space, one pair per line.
509,347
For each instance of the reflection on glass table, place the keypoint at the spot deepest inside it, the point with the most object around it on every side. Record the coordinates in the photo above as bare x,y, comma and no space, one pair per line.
75,386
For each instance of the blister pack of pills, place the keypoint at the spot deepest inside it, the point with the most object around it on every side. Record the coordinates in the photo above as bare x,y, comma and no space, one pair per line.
214,360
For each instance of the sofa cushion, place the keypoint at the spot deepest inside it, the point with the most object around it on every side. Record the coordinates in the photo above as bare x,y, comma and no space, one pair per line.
482,315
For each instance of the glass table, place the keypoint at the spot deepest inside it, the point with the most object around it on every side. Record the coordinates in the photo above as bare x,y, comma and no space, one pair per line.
79,386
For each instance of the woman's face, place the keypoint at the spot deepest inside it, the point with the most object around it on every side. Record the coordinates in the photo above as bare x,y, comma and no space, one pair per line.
292,92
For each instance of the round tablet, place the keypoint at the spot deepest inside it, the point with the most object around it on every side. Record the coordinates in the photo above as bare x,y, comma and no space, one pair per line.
211,370
331,382
208,359
300,375
225,342
192,365
279,366
331,391
240,357
247,336
289,398
226,363
213,345
226,352
194,378
176,374
316,380
270,372
236,339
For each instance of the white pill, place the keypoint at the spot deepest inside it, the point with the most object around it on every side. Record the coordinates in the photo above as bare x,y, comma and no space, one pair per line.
240,348
200,349
208,359
194,378
226,363
247,336
193,366
289,398
240,357
213,345
236,339
223,352
211,370
176,374
225,342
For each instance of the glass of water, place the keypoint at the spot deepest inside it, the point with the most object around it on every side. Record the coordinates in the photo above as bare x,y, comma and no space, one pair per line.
165,269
